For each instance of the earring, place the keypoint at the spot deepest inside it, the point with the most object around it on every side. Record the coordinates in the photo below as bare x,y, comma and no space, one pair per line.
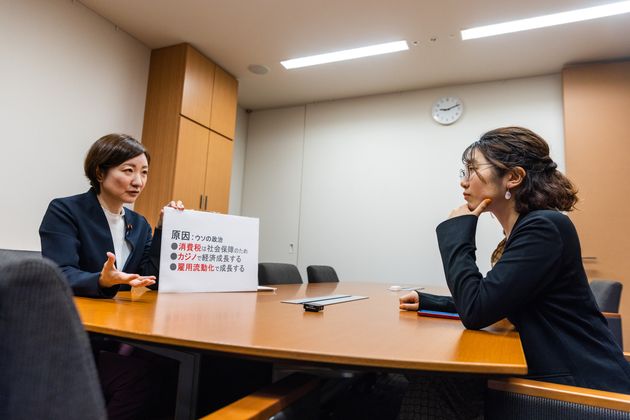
508,195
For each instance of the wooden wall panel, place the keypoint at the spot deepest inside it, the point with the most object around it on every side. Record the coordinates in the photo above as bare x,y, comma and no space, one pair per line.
161,125
198,87
190,170
597,147
218,173
224,100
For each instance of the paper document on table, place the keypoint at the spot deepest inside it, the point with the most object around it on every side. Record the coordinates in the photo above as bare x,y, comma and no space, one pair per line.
342,299
313,299
208,252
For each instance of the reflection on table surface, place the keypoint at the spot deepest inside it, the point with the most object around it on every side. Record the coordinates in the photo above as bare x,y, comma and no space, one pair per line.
371,332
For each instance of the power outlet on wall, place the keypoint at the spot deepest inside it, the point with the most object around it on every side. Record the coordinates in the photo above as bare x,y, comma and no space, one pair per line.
291,248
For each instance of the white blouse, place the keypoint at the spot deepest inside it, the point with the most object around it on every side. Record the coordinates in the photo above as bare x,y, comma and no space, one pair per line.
117,227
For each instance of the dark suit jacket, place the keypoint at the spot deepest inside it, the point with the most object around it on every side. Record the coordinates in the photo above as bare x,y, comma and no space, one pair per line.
74,233
540,285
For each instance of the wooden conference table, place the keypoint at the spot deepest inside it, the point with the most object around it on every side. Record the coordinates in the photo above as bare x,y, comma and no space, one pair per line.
371,333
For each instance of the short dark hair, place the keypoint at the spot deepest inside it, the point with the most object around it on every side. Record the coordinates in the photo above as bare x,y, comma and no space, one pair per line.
544,187
110,151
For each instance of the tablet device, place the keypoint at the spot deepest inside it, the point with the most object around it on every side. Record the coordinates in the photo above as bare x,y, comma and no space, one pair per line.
438,314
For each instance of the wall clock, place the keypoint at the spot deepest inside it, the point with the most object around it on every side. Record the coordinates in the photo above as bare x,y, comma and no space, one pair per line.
447,110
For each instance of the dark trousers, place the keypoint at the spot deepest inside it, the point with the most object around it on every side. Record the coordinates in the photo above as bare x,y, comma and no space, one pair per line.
138,386
143,385
130,385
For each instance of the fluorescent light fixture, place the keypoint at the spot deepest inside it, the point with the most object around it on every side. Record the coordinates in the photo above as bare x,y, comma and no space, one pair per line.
313,60
547,20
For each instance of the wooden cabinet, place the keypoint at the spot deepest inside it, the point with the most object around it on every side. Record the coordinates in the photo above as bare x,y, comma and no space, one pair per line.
198,87
189,125
191,164
224,96
218,170
203,168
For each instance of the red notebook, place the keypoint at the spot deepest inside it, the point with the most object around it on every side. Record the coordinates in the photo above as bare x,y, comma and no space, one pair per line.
438,314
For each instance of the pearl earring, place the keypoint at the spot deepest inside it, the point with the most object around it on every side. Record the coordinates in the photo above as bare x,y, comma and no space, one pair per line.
508,195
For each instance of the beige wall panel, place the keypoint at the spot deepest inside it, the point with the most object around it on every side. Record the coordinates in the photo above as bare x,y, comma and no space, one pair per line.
597,136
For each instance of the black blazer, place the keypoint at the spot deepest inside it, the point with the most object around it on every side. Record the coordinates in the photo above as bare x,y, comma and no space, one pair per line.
75,234
540,285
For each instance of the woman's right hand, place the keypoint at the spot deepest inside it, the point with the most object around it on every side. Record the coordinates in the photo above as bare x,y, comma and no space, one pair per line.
410,302
111,276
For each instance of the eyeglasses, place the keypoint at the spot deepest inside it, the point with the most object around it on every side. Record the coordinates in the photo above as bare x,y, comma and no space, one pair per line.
466,173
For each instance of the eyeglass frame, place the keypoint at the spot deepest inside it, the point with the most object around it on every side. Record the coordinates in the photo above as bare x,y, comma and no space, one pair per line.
465,173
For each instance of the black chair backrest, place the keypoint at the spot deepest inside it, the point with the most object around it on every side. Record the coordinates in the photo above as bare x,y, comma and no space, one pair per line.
321,274
17,254
614,324
278,273
501,405
48,370
607,294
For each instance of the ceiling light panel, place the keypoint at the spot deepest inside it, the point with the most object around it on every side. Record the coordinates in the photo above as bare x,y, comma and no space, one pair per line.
547,20
351,54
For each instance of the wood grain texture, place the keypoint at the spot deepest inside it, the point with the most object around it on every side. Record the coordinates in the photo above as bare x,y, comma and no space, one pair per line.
566,393
224,103
190,167
597,126
218,173
181,82
198,87
268,401
369,333
161,127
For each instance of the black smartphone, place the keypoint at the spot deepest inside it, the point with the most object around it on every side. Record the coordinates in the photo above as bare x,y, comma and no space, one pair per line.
313,307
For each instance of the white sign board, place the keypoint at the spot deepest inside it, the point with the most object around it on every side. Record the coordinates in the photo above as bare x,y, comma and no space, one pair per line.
208,252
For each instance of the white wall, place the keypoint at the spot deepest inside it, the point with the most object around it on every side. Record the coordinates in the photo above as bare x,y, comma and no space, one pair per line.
360,184
273,180
67,78
238,161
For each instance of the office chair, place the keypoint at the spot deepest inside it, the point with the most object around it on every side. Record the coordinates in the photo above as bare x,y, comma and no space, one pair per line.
15,254
607,294
278,273
48,371
321,274
525,399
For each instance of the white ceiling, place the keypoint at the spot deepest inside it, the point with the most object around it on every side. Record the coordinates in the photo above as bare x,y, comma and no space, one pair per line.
237,33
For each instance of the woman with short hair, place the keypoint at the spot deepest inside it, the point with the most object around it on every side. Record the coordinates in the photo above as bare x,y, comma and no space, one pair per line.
102,247
99,244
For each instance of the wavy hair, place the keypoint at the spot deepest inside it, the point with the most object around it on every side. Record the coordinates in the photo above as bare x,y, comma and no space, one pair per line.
543,187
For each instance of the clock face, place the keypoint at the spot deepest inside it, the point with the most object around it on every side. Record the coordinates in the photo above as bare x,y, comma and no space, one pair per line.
447,110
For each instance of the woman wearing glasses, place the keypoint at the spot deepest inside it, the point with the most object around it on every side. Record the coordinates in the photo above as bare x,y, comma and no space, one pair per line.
537,280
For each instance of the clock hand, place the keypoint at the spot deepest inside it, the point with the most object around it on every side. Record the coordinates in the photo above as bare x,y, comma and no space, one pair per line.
448,109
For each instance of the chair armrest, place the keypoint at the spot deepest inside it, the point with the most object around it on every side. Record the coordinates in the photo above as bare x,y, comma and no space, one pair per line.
269,400
573,394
